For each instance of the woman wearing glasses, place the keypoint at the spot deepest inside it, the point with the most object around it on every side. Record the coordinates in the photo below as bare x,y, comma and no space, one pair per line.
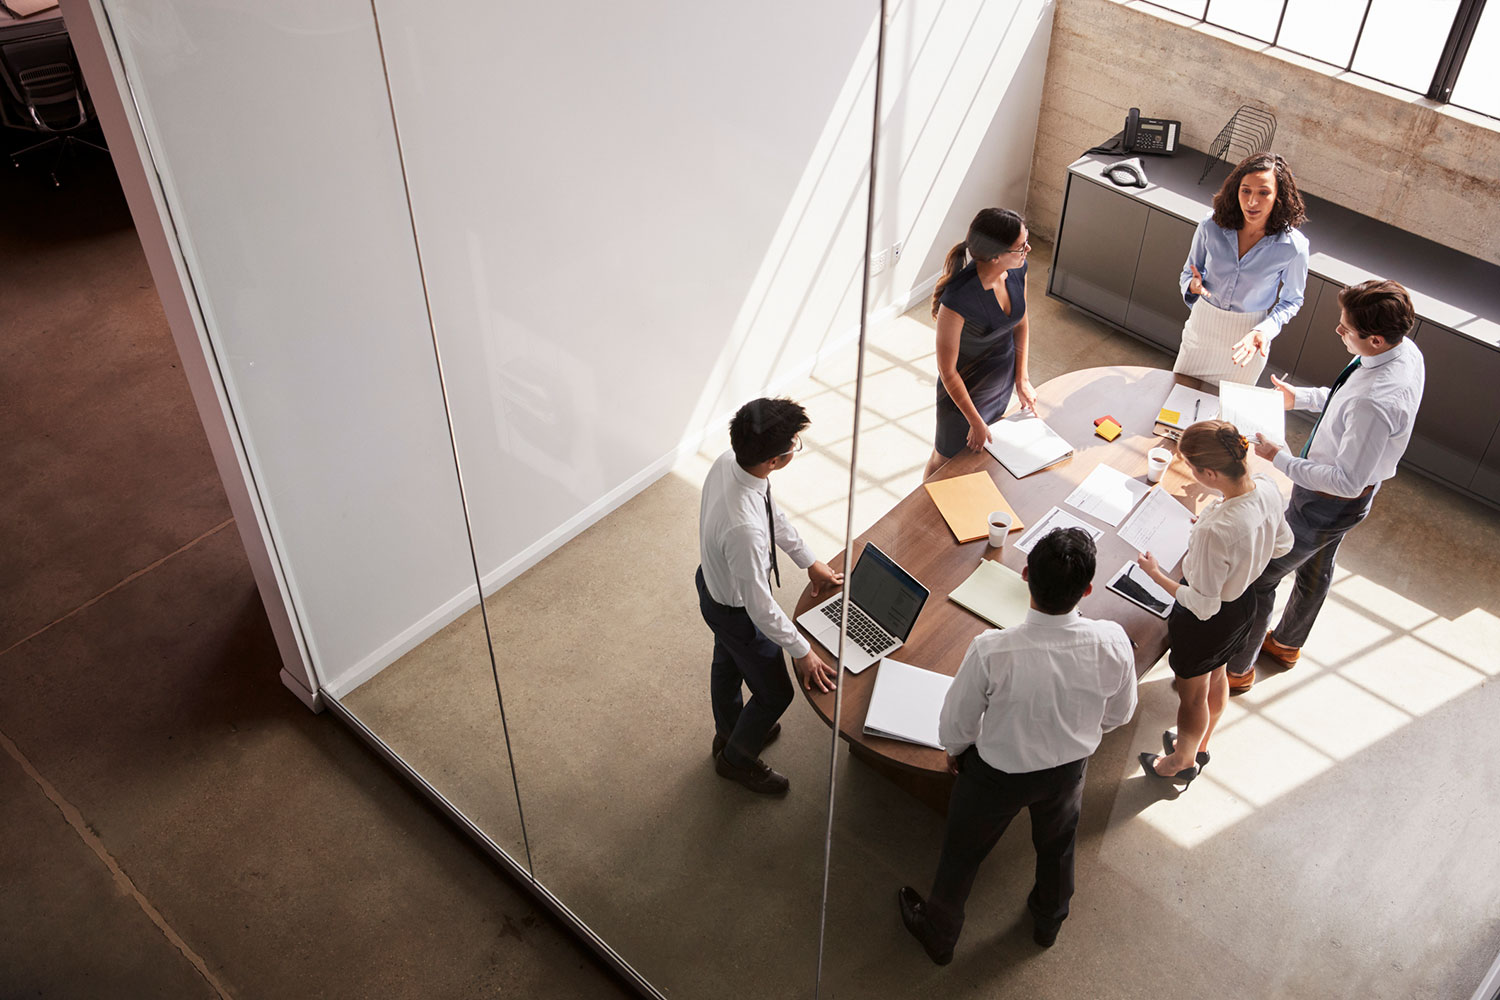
1245,273
981,333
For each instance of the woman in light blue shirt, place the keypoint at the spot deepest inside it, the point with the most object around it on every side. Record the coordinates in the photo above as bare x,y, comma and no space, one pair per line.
1245,273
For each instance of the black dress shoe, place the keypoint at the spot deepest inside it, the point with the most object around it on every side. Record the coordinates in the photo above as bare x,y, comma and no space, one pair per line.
914,916
1148,764
1044,936
756,776
1169,744
720,742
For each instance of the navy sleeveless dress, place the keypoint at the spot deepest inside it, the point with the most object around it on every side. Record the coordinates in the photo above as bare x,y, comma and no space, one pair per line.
986,353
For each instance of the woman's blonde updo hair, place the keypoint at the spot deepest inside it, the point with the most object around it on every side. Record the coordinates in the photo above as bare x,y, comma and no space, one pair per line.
1216,445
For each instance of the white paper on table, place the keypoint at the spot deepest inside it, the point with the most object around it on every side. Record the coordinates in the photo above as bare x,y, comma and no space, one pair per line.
1050,521
906,703
1160,526
1254,410
1191,405
1108,494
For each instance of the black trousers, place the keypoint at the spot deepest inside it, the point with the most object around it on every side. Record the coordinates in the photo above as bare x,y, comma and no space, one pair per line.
743,656
984,802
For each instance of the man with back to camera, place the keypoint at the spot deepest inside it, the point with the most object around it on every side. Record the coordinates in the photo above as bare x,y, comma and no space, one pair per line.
739,528
1363,429
1075,673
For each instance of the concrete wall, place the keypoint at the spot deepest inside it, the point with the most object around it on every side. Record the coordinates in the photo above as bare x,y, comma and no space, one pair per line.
1376,150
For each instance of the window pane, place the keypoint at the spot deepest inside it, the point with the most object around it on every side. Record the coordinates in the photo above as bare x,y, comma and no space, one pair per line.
1403,39
1323,29
1478,86
1256,18
1192,8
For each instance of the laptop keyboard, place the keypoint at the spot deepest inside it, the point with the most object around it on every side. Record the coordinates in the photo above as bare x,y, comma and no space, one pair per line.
862,628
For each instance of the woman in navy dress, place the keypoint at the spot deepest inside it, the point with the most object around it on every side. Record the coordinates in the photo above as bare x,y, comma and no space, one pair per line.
981,333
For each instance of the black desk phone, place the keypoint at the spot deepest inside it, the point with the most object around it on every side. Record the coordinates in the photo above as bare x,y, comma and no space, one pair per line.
1156,136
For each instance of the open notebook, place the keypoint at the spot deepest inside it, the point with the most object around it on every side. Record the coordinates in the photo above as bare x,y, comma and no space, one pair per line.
1024,444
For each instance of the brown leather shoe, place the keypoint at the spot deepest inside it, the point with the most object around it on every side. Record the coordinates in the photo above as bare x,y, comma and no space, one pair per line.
1286,656
756,776
720,742
1240,683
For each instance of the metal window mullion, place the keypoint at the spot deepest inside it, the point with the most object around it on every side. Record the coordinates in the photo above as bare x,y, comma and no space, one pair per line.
1358,35
1276,37
1455,49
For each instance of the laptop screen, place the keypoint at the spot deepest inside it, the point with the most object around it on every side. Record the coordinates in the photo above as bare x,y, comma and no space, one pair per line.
886,592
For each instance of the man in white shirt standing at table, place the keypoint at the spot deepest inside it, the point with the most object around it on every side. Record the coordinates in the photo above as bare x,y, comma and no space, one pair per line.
739,530
1027,708
1362,431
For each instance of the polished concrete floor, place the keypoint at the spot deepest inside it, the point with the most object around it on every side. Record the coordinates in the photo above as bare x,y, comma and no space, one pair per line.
178,825
174,823
1338,847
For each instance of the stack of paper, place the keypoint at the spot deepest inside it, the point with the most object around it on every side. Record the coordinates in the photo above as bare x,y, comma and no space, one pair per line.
906,703
1107,494
1050,522
1024,444
1254,410
966,503
995,593
1160,526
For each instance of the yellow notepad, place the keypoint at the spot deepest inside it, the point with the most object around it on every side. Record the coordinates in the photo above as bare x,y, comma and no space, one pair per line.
965,503
995,593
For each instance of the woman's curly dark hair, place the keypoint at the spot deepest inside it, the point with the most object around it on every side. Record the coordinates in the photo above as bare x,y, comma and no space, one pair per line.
1287,213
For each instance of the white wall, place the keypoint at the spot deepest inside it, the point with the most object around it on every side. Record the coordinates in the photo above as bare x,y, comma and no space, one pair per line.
633,218
271,130
630,218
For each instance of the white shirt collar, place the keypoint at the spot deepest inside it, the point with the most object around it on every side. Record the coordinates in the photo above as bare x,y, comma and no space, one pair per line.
1035,617
1384,356
745,479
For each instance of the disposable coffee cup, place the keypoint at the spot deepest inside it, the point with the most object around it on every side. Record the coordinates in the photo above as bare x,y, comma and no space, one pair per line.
1157,460
1000,521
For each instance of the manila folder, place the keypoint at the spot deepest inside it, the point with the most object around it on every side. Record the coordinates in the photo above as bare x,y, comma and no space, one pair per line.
966,503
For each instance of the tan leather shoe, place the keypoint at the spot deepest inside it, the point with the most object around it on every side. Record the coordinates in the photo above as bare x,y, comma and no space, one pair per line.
1240,683
1287,656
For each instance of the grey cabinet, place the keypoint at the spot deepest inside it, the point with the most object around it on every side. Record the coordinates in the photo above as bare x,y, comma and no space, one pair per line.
1323,353
1097,248
1487,477
1458,417
1156,310
1286,348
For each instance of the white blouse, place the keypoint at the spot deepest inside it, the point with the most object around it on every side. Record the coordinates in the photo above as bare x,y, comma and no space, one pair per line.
1230,545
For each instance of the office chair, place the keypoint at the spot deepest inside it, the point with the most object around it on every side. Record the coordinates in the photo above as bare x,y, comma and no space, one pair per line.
46,90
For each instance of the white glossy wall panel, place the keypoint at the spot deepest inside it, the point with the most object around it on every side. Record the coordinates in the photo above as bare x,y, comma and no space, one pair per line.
270,127
632,218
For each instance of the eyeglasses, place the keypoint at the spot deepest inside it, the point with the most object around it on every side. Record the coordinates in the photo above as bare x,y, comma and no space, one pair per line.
1023,248
796,447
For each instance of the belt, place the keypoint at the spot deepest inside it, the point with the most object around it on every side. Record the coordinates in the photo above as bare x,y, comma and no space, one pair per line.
1333,496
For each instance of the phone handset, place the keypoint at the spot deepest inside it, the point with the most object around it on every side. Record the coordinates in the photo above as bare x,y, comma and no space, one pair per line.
1132,125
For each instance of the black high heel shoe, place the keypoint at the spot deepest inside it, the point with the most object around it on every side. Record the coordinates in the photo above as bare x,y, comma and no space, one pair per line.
1148,764
1169,743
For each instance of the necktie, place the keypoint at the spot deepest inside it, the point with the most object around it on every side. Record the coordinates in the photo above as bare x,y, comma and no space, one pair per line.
1343,377
771,525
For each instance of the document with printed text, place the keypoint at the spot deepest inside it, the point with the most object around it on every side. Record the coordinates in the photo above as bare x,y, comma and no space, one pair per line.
1050,522
1108,494
1160,526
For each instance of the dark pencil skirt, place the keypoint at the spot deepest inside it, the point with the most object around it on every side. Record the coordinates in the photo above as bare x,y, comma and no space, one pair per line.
1199,646
989,379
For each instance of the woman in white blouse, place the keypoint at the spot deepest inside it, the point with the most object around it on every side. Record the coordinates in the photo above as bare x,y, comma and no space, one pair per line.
1231,542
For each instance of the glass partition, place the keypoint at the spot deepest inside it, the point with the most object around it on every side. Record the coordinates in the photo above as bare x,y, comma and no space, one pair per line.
284,189
633,220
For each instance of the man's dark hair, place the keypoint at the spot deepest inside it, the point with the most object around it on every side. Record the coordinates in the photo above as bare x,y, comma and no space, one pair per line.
764,428
1059,569
1379,307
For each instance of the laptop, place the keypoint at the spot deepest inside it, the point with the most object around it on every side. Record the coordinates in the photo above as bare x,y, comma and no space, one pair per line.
885,601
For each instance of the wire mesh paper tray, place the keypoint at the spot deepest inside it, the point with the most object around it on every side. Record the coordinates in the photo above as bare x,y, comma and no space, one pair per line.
1249,130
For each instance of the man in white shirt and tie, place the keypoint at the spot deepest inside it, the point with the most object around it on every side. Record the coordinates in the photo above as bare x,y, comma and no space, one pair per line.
1027,708
1362,431
739,530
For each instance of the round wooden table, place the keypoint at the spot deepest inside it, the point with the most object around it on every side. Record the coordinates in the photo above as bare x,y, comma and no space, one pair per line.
915,535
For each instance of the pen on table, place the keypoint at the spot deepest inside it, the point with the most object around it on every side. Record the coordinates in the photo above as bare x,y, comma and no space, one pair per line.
1196,403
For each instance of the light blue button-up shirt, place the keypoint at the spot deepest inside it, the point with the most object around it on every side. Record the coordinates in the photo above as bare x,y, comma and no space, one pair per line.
1273,275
